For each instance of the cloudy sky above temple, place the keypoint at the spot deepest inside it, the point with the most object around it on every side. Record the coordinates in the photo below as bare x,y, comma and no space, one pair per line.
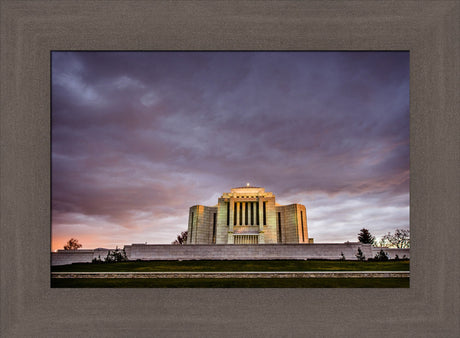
139,137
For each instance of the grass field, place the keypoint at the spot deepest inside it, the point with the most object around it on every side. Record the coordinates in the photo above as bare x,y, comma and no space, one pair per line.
249,265
231,283
214,266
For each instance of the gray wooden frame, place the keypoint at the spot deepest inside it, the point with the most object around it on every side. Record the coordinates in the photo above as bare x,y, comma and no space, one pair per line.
30,29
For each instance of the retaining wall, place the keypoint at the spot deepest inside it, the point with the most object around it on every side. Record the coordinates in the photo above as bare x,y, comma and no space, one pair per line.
222,252
246,251
64,257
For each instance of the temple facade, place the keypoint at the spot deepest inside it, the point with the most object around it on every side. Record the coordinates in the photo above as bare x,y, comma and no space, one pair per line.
247,215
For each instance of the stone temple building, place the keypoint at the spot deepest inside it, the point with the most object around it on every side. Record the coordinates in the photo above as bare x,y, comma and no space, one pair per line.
248,215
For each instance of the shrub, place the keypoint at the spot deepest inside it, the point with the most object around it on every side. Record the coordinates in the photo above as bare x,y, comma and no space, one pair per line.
97,260
116,256
360,255
381,256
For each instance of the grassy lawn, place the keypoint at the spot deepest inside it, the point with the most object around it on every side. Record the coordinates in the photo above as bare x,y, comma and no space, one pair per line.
231,283
249,265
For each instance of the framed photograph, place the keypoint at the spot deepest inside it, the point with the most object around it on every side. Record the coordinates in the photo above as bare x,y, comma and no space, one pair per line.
428,31
145,145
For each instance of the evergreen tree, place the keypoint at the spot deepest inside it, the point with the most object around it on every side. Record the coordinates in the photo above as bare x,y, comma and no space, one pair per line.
365,237
181,239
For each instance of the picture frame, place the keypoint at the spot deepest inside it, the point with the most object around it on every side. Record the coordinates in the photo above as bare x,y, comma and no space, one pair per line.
30,30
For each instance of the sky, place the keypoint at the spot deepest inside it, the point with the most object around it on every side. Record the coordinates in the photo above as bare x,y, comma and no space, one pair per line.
140,137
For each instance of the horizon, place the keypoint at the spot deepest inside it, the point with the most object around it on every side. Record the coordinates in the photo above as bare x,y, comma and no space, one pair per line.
140,137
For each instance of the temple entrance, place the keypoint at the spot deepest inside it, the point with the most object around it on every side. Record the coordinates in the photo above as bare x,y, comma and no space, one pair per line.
246,239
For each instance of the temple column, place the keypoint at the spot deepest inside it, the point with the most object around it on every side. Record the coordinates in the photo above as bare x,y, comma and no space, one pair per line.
248,212
238,213
230,225
261,214
256,212
244,213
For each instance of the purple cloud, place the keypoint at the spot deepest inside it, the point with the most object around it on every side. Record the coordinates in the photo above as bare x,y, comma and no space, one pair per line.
139,137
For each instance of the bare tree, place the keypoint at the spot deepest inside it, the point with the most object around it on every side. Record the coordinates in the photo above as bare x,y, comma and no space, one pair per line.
181,239
382,243
400,239
72,244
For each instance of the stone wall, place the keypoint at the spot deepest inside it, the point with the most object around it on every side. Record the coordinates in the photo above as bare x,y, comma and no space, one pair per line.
265,251
64,257
222,251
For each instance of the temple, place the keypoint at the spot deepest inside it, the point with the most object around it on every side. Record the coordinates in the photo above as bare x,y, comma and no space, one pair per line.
248,215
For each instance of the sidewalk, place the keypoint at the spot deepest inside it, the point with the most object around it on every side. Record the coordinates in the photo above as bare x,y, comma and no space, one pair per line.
236,274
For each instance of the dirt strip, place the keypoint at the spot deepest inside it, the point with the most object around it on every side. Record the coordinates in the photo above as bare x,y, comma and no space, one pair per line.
224,274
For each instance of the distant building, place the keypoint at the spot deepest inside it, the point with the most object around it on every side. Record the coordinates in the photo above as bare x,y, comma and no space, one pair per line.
248,215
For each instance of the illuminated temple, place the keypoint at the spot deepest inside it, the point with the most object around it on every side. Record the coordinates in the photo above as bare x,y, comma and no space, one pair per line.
247,215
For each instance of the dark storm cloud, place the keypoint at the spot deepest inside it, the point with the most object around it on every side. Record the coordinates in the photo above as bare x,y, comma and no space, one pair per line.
147,135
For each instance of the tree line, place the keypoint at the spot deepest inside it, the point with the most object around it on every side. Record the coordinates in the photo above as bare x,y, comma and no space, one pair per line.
399,239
